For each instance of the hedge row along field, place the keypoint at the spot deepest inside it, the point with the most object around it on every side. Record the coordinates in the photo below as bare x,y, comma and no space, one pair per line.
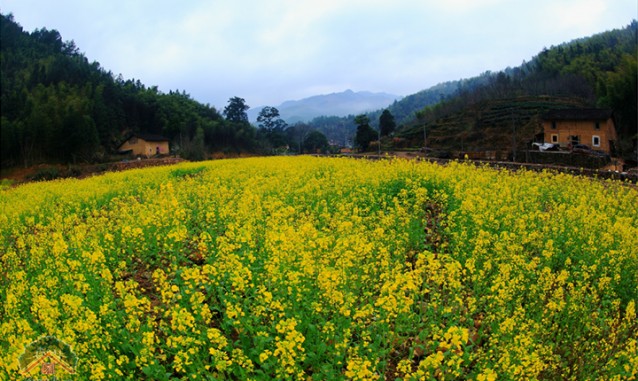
322,269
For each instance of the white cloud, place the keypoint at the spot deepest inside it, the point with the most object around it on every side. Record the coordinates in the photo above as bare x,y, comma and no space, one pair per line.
463,6
579,16
268,52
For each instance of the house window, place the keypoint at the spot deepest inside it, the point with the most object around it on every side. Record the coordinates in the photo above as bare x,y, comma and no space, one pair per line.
554,138
595,141
597,126
553,125
574,139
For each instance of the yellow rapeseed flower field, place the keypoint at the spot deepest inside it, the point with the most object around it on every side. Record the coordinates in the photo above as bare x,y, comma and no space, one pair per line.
323,269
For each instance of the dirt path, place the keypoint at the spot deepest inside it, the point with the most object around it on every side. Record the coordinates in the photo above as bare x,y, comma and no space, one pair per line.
19,175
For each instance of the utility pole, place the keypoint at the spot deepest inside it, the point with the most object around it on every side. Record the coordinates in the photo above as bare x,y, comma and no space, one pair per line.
425,142
513,136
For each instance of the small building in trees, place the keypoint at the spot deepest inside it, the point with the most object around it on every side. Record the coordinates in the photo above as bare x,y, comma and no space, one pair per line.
592,127
145,145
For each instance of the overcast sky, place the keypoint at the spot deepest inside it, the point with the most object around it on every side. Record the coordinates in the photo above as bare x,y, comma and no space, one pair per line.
270,51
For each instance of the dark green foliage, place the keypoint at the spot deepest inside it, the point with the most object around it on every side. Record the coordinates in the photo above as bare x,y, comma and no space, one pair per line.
365,133
315,142
404,110
272,129
386,123
618,89
296,134
236,109
274,139
58,107
269,119
237,132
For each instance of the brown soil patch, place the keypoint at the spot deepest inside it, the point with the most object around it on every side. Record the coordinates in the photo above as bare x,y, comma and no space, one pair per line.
21,175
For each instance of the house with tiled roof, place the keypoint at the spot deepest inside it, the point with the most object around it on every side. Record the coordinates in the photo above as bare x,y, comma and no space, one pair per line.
139,144
592,127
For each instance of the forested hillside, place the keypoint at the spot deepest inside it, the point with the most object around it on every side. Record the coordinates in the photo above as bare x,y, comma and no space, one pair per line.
599,71
498,110
404,110
59,107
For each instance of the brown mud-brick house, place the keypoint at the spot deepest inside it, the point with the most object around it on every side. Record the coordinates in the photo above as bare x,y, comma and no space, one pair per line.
145,145
592,127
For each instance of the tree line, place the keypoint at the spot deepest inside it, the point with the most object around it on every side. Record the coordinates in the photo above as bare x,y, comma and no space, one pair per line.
59,107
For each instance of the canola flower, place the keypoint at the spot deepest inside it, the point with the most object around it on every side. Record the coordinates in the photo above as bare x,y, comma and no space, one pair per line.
316,268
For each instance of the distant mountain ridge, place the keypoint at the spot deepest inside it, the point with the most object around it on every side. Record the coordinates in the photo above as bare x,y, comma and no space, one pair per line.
336,104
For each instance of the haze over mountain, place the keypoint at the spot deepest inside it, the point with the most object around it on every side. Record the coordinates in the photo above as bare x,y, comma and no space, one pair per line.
336,104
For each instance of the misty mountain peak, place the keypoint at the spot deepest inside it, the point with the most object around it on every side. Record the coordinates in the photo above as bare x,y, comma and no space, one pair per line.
344,103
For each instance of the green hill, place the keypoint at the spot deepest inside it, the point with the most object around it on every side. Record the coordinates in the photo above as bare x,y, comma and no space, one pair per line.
497,111
483,112
59,107
487,124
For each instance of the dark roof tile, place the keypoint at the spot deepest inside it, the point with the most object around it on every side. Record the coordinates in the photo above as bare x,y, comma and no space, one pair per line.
150,137
579,114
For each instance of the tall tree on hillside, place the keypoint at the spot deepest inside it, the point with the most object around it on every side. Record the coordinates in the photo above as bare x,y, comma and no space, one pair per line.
387,123
272,127
269,119
242,136
236,109
365,133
